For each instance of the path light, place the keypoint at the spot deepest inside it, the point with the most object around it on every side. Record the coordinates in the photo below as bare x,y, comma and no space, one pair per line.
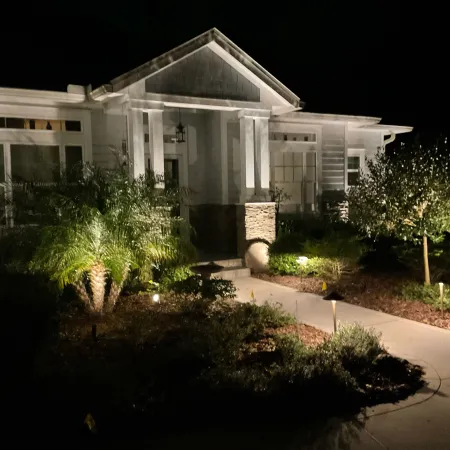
155,298
333,304
441,292
333,296
302,260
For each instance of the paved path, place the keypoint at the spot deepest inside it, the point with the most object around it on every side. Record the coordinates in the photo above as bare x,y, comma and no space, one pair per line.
421,422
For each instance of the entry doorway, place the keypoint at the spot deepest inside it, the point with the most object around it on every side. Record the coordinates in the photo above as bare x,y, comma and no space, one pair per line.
171,173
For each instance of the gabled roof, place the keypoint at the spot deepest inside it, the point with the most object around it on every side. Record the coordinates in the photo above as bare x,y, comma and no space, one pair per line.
172,56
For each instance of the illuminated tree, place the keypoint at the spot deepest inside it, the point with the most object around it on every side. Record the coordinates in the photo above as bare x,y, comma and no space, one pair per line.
405,195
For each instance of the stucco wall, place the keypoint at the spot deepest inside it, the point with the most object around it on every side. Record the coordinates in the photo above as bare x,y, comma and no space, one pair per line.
370,141
108,131
234,161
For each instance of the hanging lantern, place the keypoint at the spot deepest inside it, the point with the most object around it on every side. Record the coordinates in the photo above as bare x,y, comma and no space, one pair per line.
180,130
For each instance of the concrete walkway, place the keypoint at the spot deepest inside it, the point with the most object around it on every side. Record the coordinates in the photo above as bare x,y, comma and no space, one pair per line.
420,422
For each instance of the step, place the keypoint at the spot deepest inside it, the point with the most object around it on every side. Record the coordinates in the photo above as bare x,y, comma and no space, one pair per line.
231,273
232,262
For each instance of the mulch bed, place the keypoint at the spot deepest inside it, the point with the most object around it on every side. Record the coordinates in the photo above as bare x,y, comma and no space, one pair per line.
378,292
310,336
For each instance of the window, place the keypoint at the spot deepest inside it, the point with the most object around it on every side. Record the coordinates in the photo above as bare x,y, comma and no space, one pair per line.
18,123
35,163
295,173
353,167
292,137
74,159
73,125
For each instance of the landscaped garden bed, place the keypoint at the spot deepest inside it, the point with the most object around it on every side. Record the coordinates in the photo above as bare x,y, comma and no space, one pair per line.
373,291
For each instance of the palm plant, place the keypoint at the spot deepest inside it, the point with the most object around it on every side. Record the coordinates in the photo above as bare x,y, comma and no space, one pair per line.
71,254
103,229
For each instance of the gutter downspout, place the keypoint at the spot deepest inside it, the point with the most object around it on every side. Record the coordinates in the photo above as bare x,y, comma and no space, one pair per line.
390,139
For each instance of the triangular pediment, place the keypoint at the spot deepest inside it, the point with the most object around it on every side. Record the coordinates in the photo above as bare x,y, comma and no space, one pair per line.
209,66
203,74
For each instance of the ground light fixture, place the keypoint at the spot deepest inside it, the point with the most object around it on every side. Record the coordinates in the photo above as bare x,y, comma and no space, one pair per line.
155,298
302,260
333,297
441,295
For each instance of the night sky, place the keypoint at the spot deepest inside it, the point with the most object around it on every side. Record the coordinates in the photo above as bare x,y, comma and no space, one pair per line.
372,59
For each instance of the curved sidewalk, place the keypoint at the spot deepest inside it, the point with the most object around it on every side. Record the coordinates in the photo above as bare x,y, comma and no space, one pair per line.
420,422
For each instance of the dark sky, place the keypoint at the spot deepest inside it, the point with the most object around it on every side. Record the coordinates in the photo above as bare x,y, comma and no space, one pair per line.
369,57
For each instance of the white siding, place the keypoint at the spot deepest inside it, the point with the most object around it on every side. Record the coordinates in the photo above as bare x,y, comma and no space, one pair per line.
333,156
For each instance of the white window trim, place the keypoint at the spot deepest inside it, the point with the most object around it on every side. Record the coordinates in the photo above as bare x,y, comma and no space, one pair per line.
360,153
304,168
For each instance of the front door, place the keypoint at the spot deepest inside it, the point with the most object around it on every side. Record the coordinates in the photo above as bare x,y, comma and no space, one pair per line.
171,173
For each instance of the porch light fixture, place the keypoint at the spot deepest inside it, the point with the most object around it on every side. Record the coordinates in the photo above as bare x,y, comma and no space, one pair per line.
180,130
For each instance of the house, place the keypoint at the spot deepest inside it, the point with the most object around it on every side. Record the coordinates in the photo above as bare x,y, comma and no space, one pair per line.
205,114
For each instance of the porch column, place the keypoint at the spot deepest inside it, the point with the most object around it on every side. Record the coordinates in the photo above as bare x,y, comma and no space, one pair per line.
262,157
156,143
247,144
136,142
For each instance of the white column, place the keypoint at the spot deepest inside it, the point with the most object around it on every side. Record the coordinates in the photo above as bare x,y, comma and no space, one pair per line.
136,142
247,144
224,156
156,142
262,157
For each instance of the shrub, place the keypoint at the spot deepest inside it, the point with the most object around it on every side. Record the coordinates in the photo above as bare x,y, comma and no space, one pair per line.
336,245
205,288
328,268
428,294
284,264
356,347
167,276
287,243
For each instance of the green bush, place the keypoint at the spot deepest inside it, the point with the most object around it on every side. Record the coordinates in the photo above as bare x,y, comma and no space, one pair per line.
327,268
355,347
428,294
284,264
287,243
204,288
169,275
336,245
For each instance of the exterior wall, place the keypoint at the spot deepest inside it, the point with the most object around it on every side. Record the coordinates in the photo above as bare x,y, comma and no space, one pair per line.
234,161
215,229
370,141
333,156
108,133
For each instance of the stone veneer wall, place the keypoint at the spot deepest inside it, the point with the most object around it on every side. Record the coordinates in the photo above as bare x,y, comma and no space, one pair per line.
255,222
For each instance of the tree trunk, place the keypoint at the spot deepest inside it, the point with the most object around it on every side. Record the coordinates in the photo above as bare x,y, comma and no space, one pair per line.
425,259
116,289
80,289
97,280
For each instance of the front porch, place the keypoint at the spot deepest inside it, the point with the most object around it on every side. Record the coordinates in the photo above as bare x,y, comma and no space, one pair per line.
223,163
